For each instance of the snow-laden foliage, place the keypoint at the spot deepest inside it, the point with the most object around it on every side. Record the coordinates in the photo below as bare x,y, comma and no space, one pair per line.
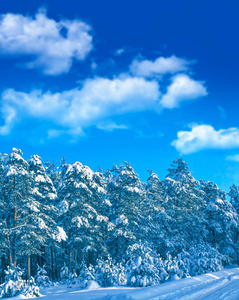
202,259
72,279
175,268
142,270
41,278
87,274
108,273
31,290
125,193
64,273
14,284
78,221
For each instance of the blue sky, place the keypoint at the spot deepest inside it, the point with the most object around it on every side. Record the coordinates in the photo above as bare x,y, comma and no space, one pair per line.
104,82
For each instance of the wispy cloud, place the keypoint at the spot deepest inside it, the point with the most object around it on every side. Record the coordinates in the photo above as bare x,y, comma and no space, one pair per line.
233,158
110,126
160,66
206,137
120,51
222,112
183,88
53,44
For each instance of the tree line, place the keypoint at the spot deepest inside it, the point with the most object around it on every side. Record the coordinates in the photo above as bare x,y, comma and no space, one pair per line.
70,215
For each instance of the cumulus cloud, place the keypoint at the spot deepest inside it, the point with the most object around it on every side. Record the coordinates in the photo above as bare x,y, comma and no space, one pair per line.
53,44
96,101
206,137
161,66
183,88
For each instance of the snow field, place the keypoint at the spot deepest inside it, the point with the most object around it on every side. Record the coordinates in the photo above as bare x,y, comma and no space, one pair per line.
222,285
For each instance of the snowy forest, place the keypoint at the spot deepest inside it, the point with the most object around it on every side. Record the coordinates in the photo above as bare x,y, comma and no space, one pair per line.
71,224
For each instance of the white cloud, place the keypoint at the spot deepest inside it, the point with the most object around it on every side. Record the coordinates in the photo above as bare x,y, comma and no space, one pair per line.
206,137
120,51
162,65
96,101
182,89
43,38
233,157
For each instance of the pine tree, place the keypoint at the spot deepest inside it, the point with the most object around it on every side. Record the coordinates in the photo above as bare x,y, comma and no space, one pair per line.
184,203
45,196
86,275
28,216
222,220
41,278
142,271
13,285
154,227
53,173
81,213
125,193
234,197
17,198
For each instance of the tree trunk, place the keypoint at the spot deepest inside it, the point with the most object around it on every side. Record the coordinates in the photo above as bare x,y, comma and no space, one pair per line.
29,267
70,263
9,244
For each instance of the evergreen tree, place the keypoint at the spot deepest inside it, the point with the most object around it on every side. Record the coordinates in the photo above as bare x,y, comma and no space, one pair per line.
184,203
234,197
45,196
81,213
154,227
222,220
142,270
125,193
41,278
27,218
53,173
87,274
13,285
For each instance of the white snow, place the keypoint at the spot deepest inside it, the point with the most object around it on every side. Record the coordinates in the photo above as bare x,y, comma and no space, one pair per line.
222,285
60,235
40,178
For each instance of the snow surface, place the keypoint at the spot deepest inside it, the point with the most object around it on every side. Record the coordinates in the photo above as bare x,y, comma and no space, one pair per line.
222,285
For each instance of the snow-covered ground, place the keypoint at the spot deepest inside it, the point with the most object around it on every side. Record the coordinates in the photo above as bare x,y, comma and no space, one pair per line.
213,286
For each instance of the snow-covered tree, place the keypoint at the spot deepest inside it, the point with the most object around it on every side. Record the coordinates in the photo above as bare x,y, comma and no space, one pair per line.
201,259
175,268
19,202
14,284
222,220
41,278
45,196
72,279
64,273
53,173
125,193
154,225
87,274
142,270
28,218
31,290
109,273
81,210
234,197
184,203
